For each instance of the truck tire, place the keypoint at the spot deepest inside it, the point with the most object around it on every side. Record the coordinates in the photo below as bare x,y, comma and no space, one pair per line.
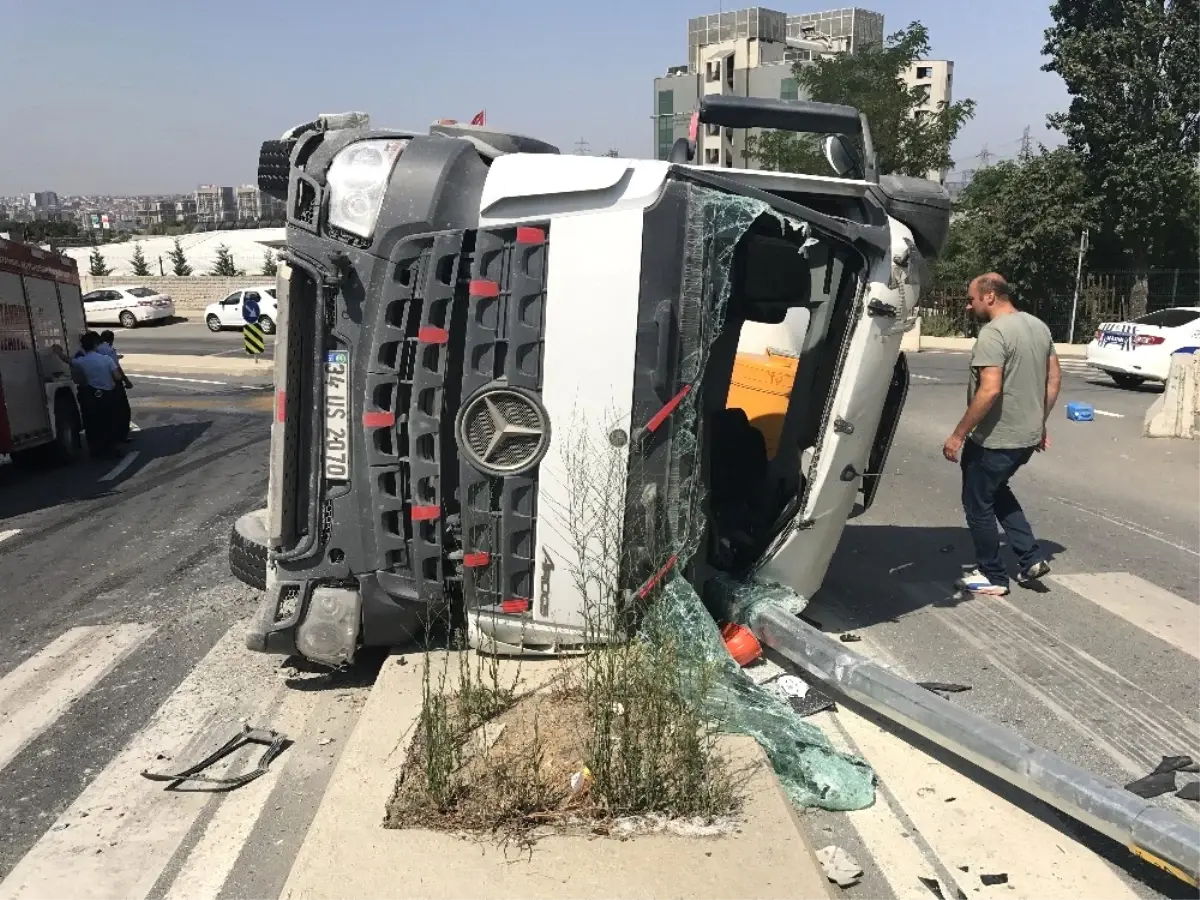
248,549
67,446
68,437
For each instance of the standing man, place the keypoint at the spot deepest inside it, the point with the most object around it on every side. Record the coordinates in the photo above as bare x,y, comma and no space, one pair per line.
97,376
125,414
1013,385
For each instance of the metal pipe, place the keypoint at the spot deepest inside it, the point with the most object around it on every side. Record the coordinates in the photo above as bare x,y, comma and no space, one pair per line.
1151,833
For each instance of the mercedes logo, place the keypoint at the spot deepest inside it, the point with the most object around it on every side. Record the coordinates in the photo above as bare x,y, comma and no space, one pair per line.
503,431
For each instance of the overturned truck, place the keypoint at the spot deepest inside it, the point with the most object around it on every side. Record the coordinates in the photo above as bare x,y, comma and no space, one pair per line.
503,376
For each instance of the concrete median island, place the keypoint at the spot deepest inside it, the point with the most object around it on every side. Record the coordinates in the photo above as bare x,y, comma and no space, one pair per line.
134,363
759,852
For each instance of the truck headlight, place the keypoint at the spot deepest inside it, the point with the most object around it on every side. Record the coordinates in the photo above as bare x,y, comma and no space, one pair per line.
358,178
329,632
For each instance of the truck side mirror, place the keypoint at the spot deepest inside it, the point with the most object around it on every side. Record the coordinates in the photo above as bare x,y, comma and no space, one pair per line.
841,156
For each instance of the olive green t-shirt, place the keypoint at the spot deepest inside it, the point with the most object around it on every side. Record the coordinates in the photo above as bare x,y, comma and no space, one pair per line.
1020,344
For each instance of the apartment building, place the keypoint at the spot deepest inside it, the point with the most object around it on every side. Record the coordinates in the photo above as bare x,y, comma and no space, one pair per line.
254,205
935,78
751,53
215,204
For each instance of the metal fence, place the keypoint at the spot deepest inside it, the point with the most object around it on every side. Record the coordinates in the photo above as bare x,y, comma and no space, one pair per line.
1103,297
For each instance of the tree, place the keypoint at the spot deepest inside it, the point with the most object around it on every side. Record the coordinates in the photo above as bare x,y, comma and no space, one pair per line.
179,263
224,264
1132,69
97,265
1023,219
908,139
138,261
270,264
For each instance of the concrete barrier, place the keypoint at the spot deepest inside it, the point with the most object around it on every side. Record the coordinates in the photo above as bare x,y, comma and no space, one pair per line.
1173,414
911,342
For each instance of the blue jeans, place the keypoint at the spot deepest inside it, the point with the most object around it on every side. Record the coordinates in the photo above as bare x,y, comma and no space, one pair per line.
986,499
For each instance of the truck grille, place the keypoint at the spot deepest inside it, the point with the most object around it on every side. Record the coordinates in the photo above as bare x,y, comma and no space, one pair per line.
502,379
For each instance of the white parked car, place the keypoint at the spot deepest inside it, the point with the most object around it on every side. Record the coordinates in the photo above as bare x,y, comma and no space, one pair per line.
227,313
128,307
1141,350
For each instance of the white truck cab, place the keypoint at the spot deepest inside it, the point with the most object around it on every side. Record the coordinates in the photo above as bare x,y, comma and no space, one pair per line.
503,376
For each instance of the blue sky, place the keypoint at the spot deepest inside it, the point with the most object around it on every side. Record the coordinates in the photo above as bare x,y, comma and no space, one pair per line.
140,97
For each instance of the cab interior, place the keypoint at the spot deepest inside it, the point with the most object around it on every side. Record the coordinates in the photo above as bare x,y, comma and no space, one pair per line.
767,379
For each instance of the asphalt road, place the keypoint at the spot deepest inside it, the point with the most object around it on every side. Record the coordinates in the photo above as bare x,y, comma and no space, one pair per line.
186,338
1080,665
125,654
117,599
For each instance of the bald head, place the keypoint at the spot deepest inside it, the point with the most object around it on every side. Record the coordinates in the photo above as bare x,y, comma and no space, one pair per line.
989,296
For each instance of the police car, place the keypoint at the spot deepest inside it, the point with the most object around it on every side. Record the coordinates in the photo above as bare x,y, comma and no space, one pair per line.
1134,352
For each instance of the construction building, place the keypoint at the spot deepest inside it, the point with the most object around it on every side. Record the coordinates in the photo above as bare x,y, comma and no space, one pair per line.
751,53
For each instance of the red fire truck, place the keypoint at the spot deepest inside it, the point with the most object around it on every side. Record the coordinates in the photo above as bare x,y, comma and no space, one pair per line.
41,322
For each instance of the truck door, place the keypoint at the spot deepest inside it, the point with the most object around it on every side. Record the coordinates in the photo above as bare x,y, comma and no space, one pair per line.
838,467
21,389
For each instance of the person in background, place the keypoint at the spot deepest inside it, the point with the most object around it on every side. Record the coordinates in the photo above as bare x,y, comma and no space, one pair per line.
97,376
1013,386
125,414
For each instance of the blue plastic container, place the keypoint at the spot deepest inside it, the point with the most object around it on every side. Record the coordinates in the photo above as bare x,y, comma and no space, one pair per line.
1080,412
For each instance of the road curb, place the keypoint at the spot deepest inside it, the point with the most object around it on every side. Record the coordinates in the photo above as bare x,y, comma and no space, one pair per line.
1066,351
1148,831
195,365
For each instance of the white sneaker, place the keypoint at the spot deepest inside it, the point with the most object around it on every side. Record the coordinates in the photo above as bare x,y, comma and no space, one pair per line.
976,582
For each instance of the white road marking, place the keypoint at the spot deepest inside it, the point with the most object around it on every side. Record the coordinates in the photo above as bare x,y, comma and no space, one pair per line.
977,828
214,856
42,688
968,825
1111,415
120,833
9,533
182,380
1132,526
120,467
1167,616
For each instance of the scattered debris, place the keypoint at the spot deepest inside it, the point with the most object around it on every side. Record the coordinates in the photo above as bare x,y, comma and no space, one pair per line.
934,886
1162,779
894,569
943,687
324,742
993,880
274,741
840,867
402,661
1153,785
1190,791
849,638
949,799
964,868
811,703
949,548
789,686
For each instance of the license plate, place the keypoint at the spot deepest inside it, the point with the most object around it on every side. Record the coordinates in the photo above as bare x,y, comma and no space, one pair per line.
337,416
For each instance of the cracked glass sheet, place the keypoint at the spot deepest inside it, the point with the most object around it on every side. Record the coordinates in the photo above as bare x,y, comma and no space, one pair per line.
811,771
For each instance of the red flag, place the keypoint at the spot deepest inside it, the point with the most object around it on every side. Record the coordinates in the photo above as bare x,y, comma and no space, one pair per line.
479,117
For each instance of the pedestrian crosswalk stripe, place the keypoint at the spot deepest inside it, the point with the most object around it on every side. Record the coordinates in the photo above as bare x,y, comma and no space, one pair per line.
1167,616
134,827
42,688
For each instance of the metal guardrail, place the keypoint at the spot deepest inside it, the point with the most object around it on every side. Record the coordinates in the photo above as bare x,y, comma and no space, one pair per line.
1149,832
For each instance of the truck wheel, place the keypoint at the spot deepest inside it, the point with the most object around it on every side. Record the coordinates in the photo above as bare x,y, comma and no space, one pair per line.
67,446
68,437
128,319
248,549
